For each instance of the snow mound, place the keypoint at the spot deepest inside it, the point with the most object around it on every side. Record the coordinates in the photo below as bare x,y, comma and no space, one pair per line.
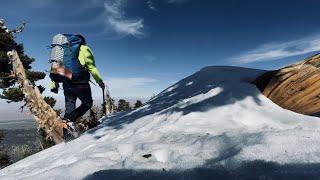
213,117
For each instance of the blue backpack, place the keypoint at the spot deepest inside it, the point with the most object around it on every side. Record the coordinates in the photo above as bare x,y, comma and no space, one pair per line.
64,59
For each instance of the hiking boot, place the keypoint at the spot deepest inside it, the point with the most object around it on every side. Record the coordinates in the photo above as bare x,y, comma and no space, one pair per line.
70,128
71,125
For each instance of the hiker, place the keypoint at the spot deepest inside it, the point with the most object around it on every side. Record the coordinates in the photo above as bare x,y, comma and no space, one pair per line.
72,63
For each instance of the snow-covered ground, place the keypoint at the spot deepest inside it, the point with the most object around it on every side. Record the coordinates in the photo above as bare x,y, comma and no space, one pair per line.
213,123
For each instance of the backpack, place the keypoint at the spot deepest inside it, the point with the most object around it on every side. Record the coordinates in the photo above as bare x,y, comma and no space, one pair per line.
64,59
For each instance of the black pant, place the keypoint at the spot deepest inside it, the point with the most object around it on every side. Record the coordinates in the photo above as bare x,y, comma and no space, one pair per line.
72,91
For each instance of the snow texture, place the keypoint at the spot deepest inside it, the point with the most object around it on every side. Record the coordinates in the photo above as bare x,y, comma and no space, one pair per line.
214,123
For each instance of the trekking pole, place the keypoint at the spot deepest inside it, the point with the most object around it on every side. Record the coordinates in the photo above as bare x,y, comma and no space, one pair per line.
104,104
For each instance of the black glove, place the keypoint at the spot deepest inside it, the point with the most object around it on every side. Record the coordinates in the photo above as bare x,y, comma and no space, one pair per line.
102,85
55,90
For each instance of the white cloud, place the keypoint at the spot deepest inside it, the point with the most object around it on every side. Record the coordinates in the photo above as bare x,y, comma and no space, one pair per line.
116,20
128,27
273,51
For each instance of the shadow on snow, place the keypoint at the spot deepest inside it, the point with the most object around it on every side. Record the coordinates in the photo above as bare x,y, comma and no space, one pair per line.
199,83
246,171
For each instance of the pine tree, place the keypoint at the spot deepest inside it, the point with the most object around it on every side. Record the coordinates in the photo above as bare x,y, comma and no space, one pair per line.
123,105
18,83
137,104
7,81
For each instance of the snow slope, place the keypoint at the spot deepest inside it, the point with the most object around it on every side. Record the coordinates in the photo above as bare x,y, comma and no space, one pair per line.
213,118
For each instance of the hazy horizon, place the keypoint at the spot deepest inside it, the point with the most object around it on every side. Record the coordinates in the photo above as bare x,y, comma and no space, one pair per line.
11,111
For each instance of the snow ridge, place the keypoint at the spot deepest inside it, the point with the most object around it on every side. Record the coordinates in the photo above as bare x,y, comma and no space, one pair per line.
213,117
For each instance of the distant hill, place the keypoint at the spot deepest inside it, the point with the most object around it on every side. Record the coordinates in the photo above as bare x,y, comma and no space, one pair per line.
18,124
11,111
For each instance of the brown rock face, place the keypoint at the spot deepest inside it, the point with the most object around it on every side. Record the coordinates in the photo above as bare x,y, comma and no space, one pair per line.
295,87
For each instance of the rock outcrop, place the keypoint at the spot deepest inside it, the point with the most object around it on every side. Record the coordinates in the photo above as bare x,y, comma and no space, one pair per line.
295,87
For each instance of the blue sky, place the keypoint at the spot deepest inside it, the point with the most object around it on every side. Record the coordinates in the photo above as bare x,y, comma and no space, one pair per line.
143,46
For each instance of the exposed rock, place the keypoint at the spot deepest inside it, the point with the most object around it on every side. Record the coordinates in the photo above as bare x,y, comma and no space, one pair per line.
295,87
147,156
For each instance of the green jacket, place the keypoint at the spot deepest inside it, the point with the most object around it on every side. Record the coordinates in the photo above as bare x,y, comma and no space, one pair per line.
86,59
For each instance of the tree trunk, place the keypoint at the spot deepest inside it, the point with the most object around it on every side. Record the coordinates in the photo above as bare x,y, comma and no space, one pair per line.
45,116
295,87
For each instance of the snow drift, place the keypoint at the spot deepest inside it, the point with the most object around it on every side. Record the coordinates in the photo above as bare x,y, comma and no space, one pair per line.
213,118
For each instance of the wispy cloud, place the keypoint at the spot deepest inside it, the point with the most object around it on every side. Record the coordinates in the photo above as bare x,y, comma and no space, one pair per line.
118,22
127,27
273,51
151,6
